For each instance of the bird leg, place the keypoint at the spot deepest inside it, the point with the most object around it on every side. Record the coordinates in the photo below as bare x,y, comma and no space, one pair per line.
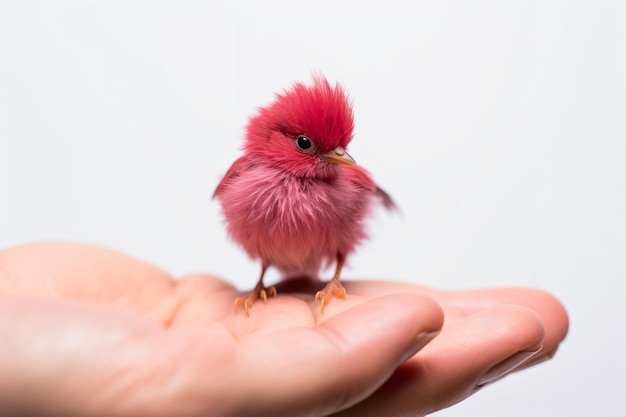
259,292
334,287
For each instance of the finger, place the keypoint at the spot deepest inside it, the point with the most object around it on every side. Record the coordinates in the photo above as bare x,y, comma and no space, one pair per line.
458,304
87,273
551,312
467,354
315,371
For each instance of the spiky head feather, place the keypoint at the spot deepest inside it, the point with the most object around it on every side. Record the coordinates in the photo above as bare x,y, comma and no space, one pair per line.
320,111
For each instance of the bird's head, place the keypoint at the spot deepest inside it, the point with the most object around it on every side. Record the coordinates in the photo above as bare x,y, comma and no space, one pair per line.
305,131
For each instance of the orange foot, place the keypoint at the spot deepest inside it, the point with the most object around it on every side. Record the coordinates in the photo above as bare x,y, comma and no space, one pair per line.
259,292
332,289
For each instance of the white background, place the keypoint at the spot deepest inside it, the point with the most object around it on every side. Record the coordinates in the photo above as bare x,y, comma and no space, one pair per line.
498,126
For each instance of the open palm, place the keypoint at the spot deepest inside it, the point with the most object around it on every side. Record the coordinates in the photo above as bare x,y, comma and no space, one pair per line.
89,331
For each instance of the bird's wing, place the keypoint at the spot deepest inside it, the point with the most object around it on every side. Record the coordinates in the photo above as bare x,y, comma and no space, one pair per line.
240,165
361,178
386,199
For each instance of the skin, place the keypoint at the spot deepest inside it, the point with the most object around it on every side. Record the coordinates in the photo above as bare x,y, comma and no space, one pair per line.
89,331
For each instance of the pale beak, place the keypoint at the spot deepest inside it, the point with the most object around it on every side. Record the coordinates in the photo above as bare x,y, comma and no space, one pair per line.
338,156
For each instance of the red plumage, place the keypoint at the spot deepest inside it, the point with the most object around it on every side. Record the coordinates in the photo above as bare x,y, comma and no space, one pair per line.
295,199
323,111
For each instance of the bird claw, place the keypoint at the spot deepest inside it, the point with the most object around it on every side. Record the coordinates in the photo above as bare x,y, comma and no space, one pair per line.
247,301
332,289
271,292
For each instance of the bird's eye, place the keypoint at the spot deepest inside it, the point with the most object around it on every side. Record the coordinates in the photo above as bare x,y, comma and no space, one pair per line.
304,144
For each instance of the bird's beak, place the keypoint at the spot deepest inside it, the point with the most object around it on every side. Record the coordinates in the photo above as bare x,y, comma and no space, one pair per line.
338,156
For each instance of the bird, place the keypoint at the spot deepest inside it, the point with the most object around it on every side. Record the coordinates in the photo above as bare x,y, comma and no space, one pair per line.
296,200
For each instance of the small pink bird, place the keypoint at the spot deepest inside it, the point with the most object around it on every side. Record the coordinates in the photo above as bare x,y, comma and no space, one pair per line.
296,199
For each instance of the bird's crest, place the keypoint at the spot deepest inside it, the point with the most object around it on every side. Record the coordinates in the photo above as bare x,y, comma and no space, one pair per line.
321,111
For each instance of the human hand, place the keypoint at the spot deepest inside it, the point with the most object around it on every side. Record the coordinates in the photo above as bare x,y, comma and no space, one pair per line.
487,335
87,331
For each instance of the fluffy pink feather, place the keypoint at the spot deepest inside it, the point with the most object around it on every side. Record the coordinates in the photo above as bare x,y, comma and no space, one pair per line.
295,199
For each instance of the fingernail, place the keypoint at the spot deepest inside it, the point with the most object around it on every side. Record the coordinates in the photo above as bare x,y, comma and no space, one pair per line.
506,366
420,341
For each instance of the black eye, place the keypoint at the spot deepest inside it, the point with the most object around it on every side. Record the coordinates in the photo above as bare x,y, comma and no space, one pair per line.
304,144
